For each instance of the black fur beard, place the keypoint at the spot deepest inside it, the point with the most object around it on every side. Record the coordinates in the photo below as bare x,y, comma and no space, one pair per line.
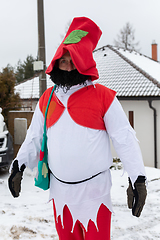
67,79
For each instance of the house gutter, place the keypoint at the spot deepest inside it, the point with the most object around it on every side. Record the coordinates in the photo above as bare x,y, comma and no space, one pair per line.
155,131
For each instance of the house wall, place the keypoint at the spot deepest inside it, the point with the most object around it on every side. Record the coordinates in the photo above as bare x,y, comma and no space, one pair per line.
12,115
156,104
144,127
28,104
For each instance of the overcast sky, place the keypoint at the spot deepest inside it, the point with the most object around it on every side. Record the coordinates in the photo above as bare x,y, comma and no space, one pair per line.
19,34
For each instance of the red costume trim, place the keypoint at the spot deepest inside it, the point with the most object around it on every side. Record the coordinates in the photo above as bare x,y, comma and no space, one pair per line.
86,106
66,230
55,109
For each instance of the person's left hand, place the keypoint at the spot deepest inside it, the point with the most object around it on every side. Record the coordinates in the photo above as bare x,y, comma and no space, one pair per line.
136,197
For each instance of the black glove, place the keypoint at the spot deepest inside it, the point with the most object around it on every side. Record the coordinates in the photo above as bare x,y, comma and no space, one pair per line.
136,197
14,181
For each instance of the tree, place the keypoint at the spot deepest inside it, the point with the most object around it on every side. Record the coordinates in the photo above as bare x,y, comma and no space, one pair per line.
8,99
19,72
126,38
28,67
25,70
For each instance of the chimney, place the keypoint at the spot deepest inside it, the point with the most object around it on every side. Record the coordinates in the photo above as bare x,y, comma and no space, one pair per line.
154,51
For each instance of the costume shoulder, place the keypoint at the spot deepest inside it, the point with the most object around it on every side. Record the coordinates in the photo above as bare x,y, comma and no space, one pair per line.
88,105
55,109
105,94
44,98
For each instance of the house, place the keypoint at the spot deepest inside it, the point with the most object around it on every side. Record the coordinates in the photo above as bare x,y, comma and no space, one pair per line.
136,79
19,121
29,92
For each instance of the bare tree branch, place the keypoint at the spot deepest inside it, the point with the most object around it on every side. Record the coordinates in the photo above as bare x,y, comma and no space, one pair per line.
126,38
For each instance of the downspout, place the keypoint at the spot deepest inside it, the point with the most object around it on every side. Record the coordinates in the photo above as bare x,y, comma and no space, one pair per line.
155,132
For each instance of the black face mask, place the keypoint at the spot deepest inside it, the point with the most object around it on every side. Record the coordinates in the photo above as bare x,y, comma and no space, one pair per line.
67,79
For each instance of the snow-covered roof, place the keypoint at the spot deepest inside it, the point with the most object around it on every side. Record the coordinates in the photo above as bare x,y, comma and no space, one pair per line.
128,73
30,88
145,63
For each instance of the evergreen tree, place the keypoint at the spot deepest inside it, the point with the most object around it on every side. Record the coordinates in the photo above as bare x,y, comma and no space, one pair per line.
25,70
126,38
28,67
19,72
8,99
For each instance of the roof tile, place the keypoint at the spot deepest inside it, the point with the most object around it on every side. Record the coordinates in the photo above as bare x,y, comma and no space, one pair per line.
121,71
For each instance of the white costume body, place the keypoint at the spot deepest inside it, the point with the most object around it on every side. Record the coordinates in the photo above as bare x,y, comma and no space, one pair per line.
76,153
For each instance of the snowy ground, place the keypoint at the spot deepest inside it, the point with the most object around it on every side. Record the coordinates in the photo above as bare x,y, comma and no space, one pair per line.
30,216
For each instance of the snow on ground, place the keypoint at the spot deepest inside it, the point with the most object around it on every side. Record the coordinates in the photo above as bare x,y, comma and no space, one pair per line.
30,216
124,225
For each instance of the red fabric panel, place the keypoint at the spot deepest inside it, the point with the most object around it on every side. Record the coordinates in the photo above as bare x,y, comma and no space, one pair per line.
88,105
55,109
66,230
103,224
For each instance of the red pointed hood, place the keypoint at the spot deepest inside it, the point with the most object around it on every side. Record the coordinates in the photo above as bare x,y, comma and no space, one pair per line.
80,40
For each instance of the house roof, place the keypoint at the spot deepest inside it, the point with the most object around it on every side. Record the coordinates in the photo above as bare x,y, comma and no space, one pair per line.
130,74
30,88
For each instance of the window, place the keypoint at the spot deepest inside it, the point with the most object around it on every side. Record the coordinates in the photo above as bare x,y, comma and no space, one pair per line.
131,118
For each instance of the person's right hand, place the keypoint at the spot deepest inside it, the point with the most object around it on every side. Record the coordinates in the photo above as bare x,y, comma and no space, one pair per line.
14,181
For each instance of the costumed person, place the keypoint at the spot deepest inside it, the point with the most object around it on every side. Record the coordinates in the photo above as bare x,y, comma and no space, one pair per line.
81,118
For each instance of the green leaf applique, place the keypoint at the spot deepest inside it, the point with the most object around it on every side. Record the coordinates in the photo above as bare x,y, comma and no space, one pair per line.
75,36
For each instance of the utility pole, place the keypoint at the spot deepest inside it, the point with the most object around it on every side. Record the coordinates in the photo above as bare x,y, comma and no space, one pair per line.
41,47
